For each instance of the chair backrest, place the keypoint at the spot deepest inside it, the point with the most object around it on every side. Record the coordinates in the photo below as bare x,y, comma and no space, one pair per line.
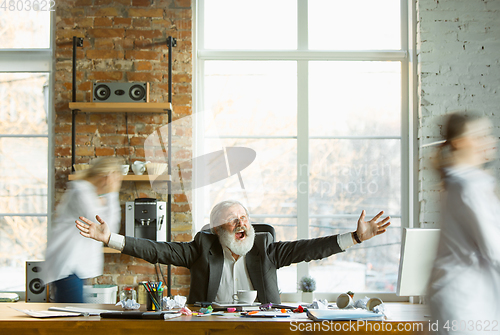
259,228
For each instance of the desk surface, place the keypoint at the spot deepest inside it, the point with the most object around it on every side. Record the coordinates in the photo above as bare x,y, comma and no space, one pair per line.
404,318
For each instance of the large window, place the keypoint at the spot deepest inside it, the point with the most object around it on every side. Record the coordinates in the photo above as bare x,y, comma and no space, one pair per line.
25,67
317,89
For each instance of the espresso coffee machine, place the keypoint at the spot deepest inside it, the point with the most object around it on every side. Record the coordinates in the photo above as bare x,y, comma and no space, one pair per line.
146,218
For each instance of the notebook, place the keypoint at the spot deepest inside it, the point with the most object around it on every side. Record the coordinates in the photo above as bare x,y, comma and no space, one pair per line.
266,314
45,314
82,310
136,315
342,314
234,304
8,297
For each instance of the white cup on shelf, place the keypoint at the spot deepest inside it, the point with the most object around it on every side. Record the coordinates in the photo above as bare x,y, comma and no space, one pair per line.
139,167
125,168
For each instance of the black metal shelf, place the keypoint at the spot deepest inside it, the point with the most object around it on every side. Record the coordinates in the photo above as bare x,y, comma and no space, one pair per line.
133,108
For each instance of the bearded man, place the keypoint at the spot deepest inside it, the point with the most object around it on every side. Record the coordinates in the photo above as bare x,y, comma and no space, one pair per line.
232,256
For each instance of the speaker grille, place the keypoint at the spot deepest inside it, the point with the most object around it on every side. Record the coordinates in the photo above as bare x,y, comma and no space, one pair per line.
102,92
36,286
120,92
137,92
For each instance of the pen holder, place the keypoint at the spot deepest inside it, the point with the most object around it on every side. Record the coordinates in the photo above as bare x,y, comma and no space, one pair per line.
158,297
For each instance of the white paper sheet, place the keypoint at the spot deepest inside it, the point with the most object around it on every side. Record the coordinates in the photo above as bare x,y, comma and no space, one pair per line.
46,314
83,310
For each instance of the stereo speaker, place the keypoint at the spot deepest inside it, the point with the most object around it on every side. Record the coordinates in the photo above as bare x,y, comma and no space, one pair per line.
120,92
36,289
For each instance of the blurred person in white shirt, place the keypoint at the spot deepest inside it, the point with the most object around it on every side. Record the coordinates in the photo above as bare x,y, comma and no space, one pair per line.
71,258
464,286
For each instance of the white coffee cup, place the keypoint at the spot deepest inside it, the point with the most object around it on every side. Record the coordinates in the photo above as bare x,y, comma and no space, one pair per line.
245,296
139,168
125,168
345,301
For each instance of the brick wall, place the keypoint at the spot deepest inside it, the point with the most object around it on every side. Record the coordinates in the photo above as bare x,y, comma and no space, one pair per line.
459,69
124,41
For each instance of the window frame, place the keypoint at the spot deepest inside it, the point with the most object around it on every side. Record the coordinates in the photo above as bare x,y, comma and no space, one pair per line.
36,60
409,150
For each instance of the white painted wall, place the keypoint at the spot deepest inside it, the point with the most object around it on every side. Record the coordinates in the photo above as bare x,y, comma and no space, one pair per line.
458,46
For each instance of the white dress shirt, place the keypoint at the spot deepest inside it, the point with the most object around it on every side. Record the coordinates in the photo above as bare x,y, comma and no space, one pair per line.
234,277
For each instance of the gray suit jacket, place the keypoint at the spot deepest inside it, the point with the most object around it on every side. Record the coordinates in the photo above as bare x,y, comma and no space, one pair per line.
205,258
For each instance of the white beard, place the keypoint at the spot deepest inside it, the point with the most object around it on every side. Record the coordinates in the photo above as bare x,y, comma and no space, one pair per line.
240,248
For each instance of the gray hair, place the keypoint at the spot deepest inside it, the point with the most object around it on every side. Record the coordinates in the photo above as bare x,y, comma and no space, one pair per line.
219,209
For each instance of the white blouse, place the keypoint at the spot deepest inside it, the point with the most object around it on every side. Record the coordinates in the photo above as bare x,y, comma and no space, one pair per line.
67,251
464,283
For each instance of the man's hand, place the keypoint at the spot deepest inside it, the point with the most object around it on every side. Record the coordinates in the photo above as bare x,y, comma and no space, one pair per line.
99,232
366,230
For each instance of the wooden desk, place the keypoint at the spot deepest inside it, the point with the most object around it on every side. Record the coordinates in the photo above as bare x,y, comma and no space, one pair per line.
402,316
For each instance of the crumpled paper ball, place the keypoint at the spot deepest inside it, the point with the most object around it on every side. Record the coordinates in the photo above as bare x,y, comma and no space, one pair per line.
382,310
361,303
319,304
177,301
379,309
128,304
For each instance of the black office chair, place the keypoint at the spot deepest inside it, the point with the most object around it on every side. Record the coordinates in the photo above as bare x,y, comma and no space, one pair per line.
259,228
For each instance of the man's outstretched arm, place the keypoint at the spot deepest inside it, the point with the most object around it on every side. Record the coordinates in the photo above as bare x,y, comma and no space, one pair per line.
286,253
175,253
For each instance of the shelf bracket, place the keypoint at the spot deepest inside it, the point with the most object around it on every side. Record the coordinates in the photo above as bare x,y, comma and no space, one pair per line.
171,42
77,42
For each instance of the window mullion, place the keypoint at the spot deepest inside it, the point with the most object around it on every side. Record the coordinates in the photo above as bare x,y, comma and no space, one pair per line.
302,149
200,24
302,133
302,25
361,55
35,60
407,186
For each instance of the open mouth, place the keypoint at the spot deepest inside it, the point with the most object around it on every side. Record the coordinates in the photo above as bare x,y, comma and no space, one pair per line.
240,234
